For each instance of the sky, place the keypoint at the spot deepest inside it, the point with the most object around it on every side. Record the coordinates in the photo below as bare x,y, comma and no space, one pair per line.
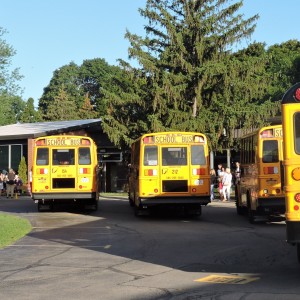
48,34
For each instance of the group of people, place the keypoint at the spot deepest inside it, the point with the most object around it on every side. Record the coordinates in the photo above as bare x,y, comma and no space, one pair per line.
10,183
223,180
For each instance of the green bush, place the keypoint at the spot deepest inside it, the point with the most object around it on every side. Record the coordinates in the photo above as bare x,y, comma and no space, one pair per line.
22,171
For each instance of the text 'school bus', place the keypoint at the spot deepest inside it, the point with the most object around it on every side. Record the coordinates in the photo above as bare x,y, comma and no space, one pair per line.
291,140
65,168
260,190
170,168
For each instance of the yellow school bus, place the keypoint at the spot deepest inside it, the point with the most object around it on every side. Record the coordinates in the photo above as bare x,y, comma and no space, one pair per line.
169,168
291,136
65,168
260,190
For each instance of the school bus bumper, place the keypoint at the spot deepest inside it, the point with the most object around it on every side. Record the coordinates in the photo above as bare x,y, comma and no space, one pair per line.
202,200
274,205
63,196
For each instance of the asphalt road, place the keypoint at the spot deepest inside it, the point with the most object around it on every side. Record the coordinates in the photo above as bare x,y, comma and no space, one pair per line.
111,254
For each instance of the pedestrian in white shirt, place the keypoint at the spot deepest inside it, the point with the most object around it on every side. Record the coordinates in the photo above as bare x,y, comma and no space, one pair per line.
227,179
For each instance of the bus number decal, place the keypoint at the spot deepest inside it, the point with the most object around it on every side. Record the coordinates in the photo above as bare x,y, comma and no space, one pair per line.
174,171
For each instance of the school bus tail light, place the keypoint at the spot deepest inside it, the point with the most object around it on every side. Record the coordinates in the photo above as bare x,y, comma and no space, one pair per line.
84,171
297,197
270,170
150,172
297,94
200,171
42,171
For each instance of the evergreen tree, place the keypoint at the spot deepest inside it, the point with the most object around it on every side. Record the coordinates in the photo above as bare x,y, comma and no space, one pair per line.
22,170
61,108
87,110
65,78
30,115
194,81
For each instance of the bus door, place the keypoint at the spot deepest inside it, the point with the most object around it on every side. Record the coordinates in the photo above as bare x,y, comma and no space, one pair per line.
270,183
174,173
63,170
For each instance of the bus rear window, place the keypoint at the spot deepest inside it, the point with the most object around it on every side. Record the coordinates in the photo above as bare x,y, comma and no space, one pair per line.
84,156
297,132
150,156
270,151
174,156
63,156
42,156
198,156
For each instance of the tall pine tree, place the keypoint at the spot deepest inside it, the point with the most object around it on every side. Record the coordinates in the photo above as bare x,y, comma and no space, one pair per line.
194,80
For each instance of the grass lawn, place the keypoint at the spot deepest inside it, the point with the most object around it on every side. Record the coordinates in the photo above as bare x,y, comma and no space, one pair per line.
12,228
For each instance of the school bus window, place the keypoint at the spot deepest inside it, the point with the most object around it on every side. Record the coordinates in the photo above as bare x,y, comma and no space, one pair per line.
150,156
198,156
270,151
42,156
84,156
297,132
172,156
63,156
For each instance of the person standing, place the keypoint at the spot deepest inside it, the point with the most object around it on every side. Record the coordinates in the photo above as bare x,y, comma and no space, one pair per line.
237,173
10,183
221,172
213,179
226,181
1,182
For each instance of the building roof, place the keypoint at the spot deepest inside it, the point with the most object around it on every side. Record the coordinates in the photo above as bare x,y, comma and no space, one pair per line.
34,130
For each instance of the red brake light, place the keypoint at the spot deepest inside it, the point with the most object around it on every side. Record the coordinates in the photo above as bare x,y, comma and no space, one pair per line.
200,171
41,142
85,142
150,172
297,197
267,133
148,140
270,170
297,94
